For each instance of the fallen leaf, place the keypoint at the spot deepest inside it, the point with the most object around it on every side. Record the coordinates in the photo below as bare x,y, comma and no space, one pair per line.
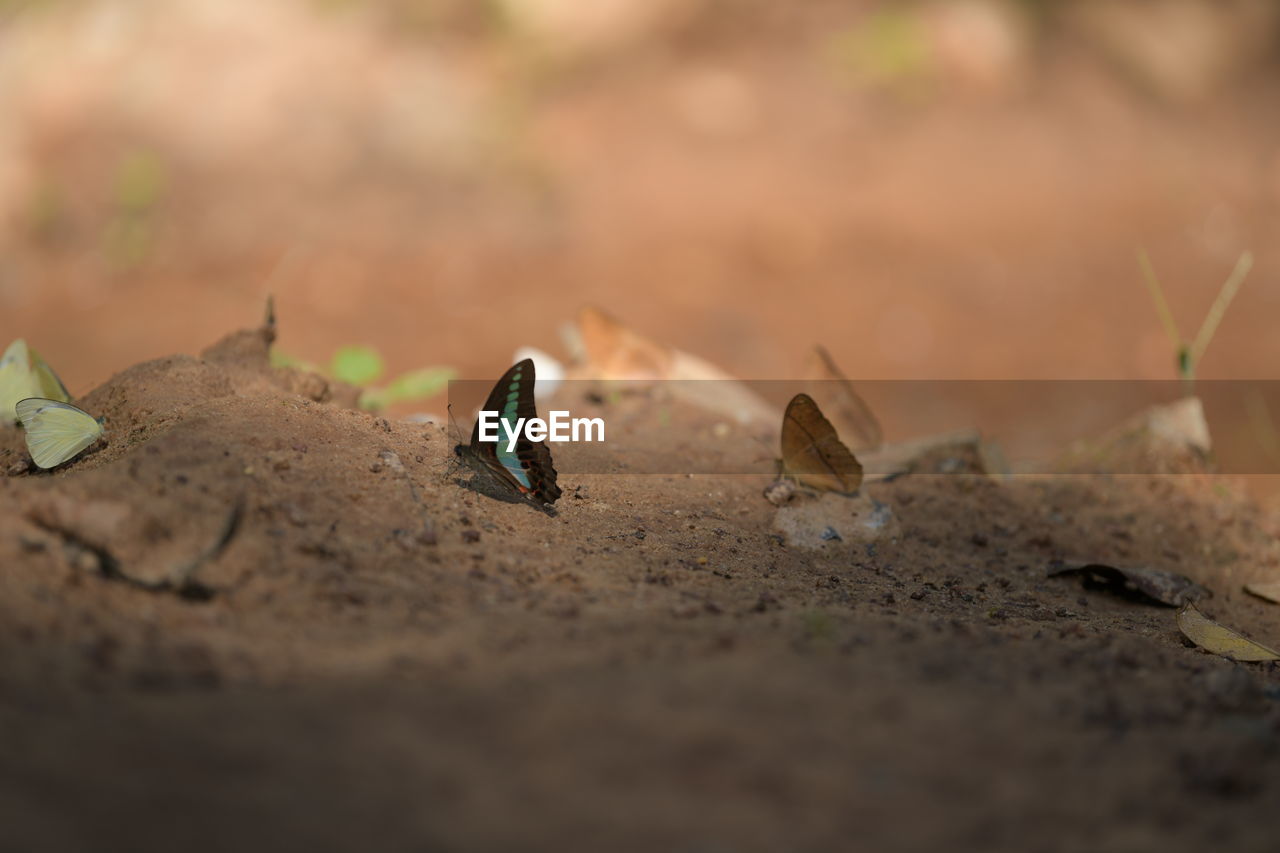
904,457
1267,591
607,350
1164,439
1216,638
1168,588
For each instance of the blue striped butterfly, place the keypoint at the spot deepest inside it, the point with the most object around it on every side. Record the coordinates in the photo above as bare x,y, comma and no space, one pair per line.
525,472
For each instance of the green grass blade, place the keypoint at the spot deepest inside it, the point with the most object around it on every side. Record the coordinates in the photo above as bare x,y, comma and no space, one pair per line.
1220,305
1162,305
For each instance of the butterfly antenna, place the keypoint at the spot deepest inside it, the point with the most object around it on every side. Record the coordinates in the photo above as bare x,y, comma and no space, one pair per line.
454,429
1219,307
455,433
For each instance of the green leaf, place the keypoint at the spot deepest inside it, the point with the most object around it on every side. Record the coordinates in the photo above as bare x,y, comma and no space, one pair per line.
421,383
415,385
356,365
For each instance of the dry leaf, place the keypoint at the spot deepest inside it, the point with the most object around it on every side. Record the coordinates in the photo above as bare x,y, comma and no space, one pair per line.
960,451
612,351
1267,591
1169,588
1167,439
606,349
1212,637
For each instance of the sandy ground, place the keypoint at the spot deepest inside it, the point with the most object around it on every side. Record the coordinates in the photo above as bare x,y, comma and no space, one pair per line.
385,659
371,656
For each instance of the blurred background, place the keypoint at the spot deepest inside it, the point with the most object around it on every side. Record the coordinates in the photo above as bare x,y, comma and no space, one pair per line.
931,190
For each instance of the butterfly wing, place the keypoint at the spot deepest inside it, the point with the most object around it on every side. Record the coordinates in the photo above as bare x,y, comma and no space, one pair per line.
47,383
16,382
812,453
829,384
16,352
527,468
56,431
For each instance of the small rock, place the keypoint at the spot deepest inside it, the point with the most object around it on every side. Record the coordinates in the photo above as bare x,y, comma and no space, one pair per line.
858,519
779,492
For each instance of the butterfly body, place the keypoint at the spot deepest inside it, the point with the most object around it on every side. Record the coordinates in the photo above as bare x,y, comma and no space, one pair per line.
526,469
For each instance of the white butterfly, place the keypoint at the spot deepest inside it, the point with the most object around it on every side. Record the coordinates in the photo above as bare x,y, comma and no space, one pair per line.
23,373
56,431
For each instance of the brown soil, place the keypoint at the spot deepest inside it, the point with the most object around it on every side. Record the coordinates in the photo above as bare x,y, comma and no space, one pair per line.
379,658
390,661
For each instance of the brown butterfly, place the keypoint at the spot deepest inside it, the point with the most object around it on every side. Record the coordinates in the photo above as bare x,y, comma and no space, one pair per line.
812,453
850,412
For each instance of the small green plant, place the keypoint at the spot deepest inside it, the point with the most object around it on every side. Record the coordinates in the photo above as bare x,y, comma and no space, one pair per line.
361,366
356,365
1188,354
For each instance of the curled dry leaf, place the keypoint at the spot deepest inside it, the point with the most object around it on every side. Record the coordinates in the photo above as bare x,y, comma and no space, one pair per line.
1219,639
1168,588
609,350
1266,591
914,455
605,349
1166,439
